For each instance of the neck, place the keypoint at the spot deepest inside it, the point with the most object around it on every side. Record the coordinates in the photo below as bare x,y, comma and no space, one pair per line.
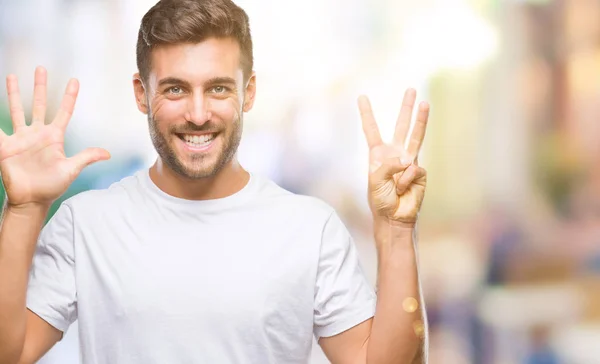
229,180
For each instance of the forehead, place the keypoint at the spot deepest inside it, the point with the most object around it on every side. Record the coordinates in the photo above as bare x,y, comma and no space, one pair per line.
213,57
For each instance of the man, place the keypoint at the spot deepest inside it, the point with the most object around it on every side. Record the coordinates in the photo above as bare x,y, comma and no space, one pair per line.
197,260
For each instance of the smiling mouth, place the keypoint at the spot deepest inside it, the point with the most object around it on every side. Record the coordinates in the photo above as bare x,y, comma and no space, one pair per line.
197,141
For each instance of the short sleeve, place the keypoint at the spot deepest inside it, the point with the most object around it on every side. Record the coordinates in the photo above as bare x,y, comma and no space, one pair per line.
343,296
51,293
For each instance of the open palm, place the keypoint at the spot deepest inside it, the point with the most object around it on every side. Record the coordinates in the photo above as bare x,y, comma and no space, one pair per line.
396,182
33,164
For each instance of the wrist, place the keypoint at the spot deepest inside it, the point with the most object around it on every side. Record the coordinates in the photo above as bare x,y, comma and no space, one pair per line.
381,223
392,236
28,210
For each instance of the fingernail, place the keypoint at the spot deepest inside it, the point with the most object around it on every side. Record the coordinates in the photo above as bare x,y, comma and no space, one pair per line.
406,162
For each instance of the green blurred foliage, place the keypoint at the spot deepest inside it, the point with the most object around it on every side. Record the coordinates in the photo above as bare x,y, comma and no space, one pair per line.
557,169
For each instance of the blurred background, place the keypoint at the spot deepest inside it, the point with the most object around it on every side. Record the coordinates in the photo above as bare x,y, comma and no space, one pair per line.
510,229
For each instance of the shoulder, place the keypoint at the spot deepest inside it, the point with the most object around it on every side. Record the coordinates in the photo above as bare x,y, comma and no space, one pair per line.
97,199
273,196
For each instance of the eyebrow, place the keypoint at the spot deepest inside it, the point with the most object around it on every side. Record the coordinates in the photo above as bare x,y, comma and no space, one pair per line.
228,81
213,81
172,81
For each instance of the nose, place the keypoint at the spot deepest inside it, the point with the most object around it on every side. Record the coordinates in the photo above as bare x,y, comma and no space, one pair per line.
198,111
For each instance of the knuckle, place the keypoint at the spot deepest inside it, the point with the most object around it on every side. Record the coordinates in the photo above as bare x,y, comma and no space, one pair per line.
401,185
15,109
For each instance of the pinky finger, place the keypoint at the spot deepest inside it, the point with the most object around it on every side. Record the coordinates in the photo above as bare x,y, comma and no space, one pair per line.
411,174
14,100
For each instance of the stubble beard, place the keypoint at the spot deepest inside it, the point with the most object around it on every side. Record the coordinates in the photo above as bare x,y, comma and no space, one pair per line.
199,166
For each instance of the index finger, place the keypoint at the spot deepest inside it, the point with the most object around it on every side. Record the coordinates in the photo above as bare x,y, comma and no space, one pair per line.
418,133
67,105
369,124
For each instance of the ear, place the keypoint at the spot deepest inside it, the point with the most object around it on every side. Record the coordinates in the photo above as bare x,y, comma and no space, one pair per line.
250,93
140,93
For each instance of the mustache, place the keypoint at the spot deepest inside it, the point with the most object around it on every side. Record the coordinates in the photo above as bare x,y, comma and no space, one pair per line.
189,127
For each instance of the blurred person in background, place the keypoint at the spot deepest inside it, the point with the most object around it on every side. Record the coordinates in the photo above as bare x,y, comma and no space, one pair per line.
541,351
197,259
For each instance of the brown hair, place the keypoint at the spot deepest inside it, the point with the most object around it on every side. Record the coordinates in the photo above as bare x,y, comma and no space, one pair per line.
182,21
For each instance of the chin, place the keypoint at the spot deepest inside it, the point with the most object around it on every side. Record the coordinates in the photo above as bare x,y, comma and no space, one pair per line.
194,170
200,169
196,173
195,167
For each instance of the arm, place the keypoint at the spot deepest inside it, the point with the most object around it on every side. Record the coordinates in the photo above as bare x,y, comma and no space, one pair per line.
396,189
35,172
18,235
398,328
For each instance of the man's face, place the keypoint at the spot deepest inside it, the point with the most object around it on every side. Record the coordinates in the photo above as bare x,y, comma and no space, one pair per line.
195,97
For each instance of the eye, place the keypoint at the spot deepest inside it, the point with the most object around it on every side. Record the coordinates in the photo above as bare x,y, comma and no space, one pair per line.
175,90
219,89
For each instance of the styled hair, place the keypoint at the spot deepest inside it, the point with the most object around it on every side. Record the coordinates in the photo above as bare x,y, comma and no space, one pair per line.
193,21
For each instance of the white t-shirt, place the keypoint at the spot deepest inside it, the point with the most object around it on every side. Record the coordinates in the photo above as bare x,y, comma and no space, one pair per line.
248,278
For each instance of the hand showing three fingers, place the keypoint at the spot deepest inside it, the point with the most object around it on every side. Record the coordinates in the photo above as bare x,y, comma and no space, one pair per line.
396,182
34,168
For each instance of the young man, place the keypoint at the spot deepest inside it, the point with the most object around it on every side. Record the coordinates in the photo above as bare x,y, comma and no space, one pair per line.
197,260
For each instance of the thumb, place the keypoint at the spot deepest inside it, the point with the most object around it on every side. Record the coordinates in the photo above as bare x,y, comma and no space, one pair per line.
390,167
86,158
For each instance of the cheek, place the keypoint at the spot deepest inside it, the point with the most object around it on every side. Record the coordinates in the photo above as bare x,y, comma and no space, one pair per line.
166,113
165,109
227,109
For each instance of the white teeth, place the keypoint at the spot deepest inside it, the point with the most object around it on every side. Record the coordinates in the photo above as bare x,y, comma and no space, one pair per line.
198,140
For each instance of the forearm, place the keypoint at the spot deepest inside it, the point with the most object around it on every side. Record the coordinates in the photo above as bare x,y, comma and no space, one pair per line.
398,330
18,236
